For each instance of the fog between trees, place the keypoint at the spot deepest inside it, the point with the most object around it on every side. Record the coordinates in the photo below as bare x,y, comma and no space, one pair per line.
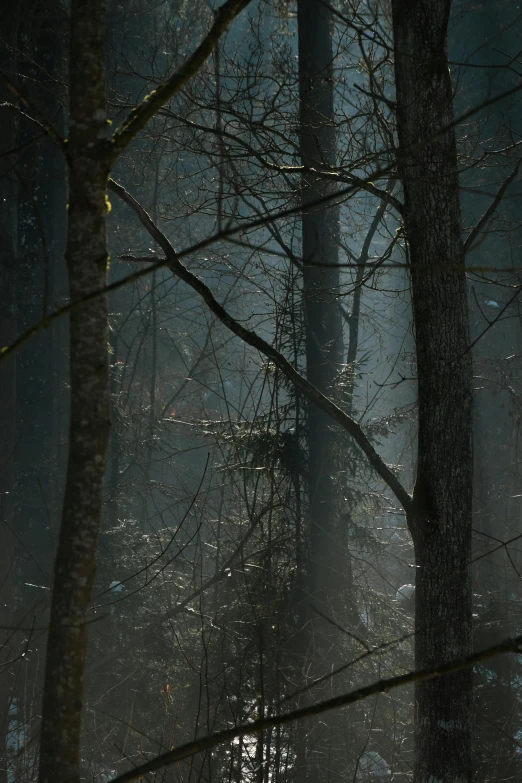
260,391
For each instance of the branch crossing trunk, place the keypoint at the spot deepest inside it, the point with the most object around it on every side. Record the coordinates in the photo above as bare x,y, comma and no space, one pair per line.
440,521
87,257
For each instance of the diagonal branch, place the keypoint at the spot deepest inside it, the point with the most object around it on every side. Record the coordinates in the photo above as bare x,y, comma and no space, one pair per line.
252,338
484,220
256,727
34,114
224,234
169,615
139,117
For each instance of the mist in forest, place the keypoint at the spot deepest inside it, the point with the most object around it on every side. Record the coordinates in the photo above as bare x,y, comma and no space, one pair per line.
260,391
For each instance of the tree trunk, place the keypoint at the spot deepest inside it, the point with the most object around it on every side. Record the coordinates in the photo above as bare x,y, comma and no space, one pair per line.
497,368
441,519
40,275
86,255
325,585
89,156
8,253
323,319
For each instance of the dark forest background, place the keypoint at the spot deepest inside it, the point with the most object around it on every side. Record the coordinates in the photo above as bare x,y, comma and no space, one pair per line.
260,395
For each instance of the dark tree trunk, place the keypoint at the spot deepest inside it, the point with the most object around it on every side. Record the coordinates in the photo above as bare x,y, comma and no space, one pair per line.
326,582
323,320
8,254
40,277
89,156
441,519
497,369
86,255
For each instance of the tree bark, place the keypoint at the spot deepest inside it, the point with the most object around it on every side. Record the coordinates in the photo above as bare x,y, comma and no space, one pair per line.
40,279
89,155
441,519
326,583
8,254
86,256
323,320
497,369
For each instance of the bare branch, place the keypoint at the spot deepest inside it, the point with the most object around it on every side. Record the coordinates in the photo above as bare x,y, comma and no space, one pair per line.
256,727
468,244
34,114
223,571
139,117
224,234
251,338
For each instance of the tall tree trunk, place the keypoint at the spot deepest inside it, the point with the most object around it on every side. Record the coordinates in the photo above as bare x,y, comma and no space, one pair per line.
325,585
89,156
40,275
441,519
323,320
497,369
8,252
86,255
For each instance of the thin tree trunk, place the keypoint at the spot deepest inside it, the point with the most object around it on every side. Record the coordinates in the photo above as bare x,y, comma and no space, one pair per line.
325,582
323,320
89,157
496,363
86,255
8,251
39,277
441,519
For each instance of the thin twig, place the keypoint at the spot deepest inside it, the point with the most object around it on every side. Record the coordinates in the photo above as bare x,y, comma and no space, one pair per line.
140,116
491,209
256,727
250,337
